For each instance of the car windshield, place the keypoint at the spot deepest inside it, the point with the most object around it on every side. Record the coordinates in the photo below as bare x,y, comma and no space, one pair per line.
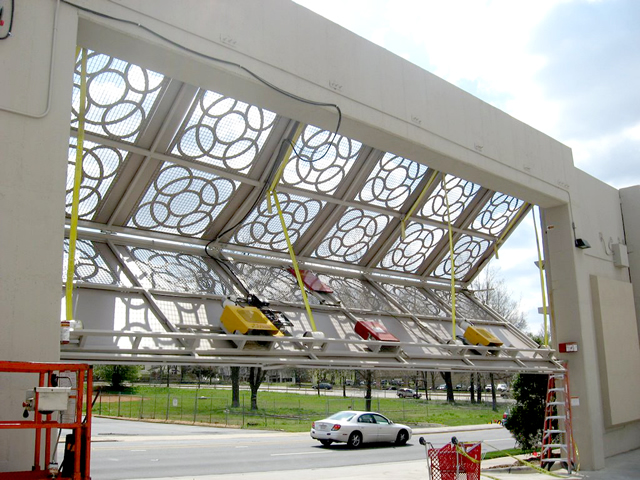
342,416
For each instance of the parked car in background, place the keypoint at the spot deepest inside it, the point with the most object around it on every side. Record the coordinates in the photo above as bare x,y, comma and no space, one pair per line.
355,428
501,387
441,387
323,386
408,393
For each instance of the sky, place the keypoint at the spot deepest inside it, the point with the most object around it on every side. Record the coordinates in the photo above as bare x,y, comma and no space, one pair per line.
569,68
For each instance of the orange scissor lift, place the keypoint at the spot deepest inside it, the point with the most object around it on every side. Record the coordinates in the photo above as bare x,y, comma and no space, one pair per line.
41,404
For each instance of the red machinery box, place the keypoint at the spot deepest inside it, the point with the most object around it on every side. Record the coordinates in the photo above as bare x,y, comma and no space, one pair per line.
374,331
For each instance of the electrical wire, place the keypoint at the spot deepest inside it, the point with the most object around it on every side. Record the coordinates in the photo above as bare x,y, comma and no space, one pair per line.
8,34
249,72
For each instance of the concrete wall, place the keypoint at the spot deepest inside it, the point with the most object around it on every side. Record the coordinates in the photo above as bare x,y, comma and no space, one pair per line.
593,215
33,163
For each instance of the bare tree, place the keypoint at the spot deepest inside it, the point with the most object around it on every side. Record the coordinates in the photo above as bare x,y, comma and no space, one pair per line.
235,387
446,376
494,405
367,396
256,377
472,388
491,289
424,384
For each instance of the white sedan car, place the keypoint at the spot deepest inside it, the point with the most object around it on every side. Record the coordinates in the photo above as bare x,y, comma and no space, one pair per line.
355,428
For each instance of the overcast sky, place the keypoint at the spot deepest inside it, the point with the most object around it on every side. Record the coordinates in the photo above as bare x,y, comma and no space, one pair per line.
569,68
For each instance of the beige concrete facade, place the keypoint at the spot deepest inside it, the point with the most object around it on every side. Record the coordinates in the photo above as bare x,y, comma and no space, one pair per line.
387,103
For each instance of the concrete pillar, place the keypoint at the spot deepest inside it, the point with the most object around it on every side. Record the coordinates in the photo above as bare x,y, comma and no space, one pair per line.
630,200
33,158
569,283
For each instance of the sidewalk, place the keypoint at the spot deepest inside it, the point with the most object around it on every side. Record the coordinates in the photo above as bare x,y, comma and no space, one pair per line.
625,466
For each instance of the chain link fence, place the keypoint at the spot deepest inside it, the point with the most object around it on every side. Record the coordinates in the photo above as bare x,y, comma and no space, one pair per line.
276,411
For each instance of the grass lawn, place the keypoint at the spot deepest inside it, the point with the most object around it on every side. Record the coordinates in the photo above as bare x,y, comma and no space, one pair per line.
291,412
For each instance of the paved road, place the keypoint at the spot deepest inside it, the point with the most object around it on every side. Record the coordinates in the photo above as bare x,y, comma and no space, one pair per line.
128,449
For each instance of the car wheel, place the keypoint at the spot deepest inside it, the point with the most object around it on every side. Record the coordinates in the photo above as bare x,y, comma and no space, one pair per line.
326,443
402,438
355,440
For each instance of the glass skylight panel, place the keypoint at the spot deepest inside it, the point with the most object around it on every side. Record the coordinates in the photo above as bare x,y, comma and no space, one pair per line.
414,300
355,294
460,194
223,132
466,252
496,214
89,265
319,161
173,271
408,254
120,96
392,181
100,165
352,235
263,229
182,201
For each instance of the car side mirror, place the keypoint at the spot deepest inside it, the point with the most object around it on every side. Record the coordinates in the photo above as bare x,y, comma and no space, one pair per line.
422,441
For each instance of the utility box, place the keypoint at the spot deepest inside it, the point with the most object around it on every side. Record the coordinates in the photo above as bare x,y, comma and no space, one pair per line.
620,255
481,336
50,399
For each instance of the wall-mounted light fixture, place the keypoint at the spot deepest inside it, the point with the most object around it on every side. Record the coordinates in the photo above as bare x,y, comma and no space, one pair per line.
581,243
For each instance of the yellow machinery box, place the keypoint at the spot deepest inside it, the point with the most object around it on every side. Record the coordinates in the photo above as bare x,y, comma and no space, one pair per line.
481,336
246,320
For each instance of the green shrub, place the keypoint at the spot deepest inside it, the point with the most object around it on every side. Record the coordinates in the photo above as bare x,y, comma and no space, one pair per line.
526,418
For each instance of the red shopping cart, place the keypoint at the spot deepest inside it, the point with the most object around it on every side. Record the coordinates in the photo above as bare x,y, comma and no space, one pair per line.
454,461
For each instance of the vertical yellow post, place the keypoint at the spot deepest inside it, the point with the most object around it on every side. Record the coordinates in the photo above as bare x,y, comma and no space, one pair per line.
73,232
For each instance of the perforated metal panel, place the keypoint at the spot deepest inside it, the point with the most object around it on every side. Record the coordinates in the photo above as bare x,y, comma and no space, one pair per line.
90,266
100,166
263,228
223,132
320,161
178,272
391,182
183,201
407,254
352,236
120,97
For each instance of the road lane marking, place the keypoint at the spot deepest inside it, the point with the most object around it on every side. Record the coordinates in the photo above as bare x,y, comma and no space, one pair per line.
296,453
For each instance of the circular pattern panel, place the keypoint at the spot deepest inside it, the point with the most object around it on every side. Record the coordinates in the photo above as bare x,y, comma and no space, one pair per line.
182,201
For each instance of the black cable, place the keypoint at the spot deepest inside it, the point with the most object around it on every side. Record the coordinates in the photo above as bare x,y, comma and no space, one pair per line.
252,74
8,34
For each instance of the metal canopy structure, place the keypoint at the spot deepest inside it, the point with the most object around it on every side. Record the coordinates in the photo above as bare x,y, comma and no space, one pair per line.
174,218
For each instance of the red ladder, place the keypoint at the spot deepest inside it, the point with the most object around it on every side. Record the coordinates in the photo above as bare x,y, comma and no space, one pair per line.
557,435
